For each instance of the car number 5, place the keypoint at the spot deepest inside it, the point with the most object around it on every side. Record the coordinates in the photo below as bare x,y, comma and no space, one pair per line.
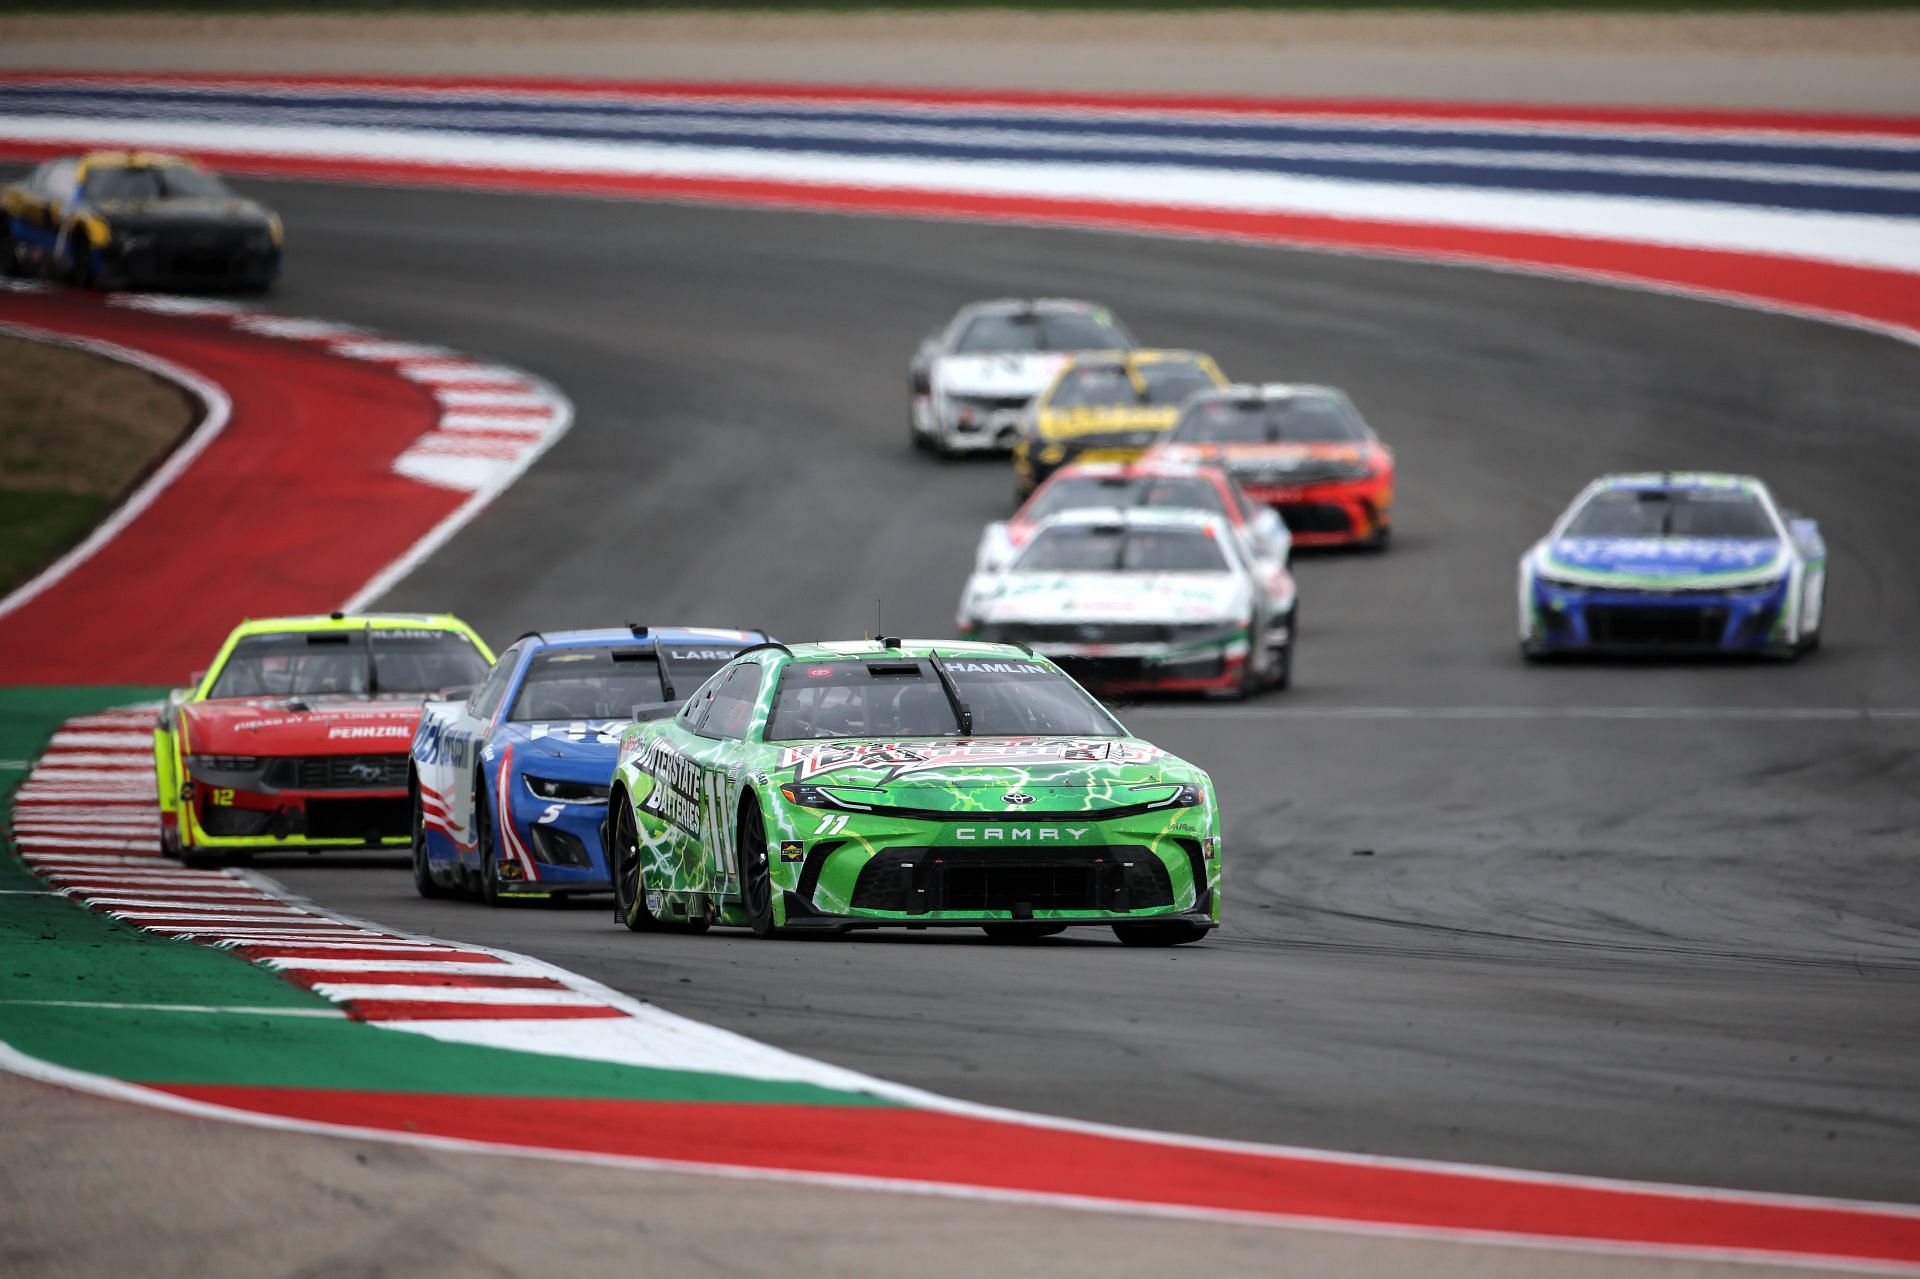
551,815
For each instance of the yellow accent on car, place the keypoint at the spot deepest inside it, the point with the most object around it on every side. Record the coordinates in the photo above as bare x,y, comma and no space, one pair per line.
1049,441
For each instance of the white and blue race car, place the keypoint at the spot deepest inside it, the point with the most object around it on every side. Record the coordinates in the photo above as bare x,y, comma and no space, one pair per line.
509,787
1674,562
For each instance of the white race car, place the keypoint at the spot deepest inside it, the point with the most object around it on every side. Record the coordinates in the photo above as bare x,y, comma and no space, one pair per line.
1141,600
972,382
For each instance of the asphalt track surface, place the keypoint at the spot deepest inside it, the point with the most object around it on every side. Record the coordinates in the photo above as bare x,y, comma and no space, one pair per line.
1675,942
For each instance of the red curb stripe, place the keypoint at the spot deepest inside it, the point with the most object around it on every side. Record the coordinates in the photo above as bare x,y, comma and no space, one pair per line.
297,409
1229,104
431,1010
333,977
924,1146
293,950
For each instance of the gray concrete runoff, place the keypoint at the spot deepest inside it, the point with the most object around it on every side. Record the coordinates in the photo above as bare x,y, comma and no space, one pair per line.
1863,61
1669,947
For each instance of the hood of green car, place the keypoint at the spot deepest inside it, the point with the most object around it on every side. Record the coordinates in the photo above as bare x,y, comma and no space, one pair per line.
945,773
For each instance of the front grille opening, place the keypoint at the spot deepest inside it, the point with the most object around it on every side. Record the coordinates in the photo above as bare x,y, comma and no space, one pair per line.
558,848
1314,517
235,823
344,772
1641,625
370,819
919,881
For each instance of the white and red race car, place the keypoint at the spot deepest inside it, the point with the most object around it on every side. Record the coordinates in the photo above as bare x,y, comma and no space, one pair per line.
1141,600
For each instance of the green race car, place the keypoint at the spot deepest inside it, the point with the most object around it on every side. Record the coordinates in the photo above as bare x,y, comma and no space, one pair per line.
908,784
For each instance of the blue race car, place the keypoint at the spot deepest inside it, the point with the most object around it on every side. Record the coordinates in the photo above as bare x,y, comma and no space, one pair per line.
509,788
1674,562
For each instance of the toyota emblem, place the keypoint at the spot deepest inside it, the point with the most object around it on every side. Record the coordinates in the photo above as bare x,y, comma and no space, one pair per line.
1018,797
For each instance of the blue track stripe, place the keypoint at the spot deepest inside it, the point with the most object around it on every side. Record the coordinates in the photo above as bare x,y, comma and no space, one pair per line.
697,130
435,112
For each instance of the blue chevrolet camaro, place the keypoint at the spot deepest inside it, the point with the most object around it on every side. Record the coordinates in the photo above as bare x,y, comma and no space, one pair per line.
1674,562
509,787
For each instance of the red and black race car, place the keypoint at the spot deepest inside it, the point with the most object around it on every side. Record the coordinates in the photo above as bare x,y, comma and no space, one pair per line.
298,736
1303,450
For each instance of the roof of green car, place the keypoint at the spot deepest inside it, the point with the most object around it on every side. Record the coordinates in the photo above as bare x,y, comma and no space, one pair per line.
845,650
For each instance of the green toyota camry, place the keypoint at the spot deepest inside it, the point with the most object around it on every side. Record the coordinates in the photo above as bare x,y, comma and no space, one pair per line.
908,783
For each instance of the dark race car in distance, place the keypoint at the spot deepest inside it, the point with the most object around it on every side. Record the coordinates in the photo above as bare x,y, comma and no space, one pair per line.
136,220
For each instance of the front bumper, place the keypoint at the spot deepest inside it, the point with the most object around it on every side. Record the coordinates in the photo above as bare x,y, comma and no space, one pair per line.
1332,513
222,266
1034,460
294,802
564,843
917,873
968,428
1211,665
1568,619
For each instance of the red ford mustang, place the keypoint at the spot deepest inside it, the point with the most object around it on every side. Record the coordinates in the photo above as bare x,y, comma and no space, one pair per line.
299,734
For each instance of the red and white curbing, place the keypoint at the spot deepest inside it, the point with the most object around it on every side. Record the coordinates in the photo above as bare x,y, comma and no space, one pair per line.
86,820
494,420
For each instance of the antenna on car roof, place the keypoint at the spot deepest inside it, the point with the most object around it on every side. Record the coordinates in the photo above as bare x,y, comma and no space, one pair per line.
889,641
639,631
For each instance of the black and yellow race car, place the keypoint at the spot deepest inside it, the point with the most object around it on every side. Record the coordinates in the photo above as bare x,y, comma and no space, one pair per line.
1107,406
136,220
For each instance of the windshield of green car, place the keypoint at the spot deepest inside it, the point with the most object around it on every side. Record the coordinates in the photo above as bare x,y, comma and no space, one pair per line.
1114,548
902,697
1293,419
321,663
1077,492
1702,512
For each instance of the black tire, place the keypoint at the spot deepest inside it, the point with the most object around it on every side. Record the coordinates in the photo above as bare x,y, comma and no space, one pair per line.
423,881
1019,934
489,865
623,867
1160,932
921,444
80,264
756,869
1382,538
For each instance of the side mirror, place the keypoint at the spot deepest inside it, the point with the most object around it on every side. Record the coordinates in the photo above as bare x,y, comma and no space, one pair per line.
996,551
196,679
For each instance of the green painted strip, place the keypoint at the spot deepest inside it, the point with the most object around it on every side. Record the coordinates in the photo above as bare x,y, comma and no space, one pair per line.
93,994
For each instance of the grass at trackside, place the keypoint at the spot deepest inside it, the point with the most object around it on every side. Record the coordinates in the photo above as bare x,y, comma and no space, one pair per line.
56,951
80,432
